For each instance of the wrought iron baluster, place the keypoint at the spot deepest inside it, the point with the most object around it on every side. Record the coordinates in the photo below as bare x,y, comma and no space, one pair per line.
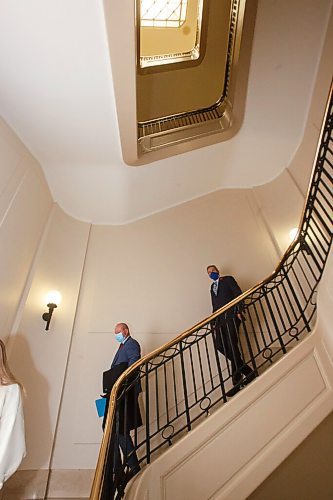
277,308
265,319
147,415
297,301
305,252
187,410
314,246
166,392
249,346
318,214
117,466
318,241
254,334
126,430
323,208
193,377
201,369
329,203
286,310
174,386
319,229
209,365
300,287
277,330
327,174
157,403
291,305
305,276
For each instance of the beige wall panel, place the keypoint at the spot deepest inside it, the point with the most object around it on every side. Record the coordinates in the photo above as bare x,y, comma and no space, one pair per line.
9,162
253,433
38,357
25,202
306,473
301,165
243,443
281,205
151,274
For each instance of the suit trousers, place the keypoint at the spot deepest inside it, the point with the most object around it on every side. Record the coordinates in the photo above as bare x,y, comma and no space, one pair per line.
227,342
127,447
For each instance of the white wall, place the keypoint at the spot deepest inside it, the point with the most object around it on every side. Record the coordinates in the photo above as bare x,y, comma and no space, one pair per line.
41,248
57,92
242,231
280,203
228,228
151,274
39,357
25,203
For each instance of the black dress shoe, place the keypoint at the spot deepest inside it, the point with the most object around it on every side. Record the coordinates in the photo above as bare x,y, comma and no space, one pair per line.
251,376
233,391
133,472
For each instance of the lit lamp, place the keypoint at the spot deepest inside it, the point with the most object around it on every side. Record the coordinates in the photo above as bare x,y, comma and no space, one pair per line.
293,233
53,299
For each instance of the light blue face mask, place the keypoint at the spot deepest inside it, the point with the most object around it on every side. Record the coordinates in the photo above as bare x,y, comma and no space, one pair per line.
119,337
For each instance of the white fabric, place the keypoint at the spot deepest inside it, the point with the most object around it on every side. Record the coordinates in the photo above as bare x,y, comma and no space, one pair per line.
215,286
12,440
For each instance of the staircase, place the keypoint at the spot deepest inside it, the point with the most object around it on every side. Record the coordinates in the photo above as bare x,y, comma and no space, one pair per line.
187,380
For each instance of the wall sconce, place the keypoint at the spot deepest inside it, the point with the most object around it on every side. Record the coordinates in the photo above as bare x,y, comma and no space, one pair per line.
53,299
293,233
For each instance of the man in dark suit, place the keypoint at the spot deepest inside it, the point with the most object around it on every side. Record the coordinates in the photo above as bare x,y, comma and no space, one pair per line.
128,415
223,290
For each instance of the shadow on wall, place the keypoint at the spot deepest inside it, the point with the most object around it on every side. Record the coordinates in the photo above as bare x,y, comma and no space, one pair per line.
29,481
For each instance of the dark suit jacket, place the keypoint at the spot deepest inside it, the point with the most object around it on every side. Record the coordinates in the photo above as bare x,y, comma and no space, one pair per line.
127,354
228,290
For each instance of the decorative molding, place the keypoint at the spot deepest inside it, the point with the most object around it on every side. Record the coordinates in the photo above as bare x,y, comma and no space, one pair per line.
297,388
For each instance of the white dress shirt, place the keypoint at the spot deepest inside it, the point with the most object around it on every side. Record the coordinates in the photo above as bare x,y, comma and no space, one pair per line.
12,439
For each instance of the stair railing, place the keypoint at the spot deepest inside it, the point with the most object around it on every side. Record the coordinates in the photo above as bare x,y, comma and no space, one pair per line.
186,378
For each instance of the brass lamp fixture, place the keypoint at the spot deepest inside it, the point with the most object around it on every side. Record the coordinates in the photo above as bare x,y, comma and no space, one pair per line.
53,299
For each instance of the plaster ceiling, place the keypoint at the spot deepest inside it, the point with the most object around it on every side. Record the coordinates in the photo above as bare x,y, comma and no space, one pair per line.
56,93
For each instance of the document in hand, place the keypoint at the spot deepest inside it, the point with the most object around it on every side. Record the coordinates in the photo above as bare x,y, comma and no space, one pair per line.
100,406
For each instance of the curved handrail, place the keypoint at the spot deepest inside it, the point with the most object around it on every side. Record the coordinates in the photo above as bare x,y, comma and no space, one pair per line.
302,246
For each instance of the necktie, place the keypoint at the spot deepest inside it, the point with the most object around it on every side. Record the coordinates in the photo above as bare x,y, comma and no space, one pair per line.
215,285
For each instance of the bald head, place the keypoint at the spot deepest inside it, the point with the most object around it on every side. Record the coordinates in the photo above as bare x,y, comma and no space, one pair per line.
123,329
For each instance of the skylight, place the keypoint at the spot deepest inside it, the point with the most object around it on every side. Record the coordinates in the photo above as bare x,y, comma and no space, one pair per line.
163,13
169,31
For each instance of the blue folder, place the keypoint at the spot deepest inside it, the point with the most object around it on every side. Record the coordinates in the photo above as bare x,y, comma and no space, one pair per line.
100,406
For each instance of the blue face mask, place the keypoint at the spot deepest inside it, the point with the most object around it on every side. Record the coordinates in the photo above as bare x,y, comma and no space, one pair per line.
214,276
119,337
